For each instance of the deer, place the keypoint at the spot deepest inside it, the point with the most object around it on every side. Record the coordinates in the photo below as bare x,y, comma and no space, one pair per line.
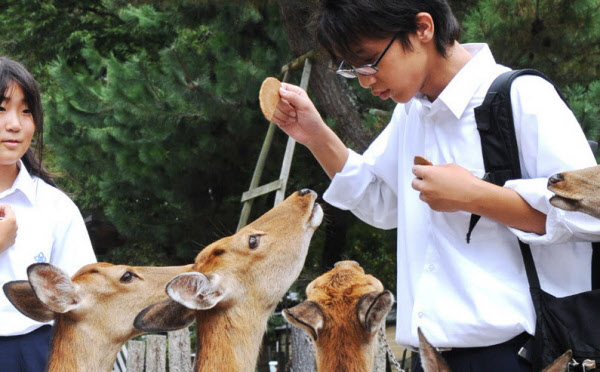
93,311
236,283
343,312
577,190
433,361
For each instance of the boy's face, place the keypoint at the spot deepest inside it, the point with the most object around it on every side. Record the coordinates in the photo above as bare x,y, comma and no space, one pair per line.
402,73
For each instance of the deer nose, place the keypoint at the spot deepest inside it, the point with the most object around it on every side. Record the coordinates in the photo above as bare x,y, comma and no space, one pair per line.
303,192
556,178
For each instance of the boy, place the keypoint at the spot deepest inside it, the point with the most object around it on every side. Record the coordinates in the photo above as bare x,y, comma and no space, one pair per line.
470,299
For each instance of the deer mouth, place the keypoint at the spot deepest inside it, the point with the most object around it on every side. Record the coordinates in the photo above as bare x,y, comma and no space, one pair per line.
316,216
564,202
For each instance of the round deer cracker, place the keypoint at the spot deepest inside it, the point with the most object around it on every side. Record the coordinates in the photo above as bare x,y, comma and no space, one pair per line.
268,96
419,160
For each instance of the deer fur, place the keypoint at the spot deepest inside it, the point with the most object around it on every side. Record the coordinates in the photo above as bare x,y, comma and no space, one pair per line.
577,190
344,310
93,311
432,360
236,284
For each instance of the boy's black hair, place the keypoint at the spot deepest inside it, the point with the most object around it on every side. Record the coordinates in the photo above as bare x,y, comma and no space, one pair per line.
340,24
13,72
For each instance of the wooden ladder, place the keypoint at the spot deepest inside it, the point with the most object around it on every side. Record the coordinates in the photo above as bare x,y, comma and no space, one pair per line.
280,184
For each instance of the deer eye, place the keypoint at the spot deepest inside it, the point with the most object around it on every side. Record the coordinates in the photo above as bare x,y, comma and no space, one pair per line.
253,241
127,277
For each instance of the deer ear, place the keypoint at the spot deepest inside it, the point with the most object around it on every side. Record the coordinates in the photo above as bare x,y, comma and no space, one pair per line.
306,315
431,359
197,291
21,296
560,364
54,287
372,309
167,315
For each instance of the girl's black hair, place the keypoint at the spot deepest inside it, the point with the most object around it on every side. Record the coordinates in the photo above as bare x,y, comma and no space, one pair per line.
13,72
340,24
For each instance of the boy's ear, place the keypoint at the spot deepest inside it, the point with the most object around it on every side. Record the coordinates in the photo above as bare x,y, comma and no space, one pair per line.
425,26
197,291
431,359
306,315
372,309
167,315
54,287
21,296
560,364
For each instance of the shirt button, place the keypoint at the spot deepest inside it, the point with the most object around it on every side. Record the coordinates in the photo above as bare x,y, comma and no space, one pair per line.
431,267
420,314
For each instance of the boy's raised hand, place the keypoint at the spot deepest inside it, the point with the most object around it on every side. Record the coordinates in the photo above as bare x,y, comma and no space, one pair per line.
297,116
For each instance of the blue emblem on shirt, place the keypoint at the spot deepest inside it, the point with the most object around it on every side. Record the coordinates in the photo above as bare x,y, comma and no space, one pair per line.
40,257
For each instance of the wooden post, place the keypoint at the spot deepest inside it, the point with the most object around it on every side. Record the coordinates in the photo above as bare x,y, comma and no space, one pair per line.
380,353
179,351
303,359
156,353
135,356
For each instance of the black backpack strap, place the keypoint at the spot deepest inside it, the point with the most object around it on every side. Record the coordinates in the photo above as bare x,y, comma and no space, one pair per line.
497,131
596,265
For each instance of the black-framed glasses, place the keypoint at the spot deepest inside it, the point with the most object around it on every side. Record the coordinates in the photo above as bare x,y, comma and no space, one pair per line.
365,70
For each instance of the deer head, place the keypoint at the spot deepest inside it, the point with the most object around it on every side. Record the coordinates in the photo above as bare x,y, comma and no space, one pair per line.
432,360
577,190
93,311
236,283
344,310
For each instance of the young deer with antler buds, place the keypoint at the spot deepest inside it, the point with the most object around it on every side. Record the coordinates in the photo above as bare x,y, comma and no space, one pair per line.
93,311
577,190
344,310
236,283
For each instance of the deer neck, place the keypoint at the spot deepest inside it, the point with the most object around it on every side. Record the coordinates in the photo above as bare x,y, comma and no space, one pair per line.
229,340
77,347
349,356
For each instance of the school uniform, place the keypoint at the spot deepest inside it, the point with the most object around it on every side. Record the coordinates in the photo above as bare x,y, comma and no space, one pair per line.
471,295
50,229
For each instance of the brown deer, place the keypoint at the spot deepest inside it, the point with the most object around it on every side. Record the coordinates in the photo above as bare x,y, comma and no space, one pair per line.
344,310
236,284
93,311
432,360
577,190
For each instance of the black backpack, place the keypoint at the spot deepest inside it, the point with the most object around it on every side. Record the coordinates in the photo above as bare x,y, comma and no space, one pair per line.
567,323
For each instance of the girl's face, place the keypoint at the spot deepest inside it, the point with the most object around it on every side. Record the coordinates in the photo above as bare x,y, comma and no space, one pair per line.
16,126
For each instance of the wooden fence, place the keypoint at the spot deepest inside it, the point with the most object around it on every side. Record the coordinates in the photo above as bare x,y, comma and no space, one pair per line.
156,353
171,352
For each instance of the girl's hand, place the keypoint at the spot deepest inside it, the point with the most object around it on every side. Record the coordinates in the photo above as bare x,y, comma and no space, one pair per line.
8,227
297,116
446,188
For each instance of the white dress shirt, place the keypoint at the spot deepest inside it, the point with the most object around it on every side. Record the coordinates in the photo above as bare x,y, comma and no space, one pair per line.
50,229
477,294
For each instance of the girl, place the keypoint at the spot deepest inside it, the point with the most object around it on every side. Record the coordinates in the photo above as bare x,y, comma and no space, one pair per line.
50,226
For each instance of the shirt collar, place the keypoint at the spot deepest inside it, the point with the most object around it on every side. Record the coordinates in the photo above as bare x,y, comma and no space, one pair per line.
459,92
23,183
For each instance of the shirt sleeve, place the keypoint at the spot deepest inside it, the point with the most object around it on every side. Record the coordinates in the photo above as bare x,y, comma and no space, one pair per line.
367,185
550,140
72,247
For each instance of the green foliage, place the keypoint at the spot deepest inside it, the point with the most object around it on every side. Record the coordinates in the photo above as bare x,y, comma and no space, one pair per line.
559,37
163,138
